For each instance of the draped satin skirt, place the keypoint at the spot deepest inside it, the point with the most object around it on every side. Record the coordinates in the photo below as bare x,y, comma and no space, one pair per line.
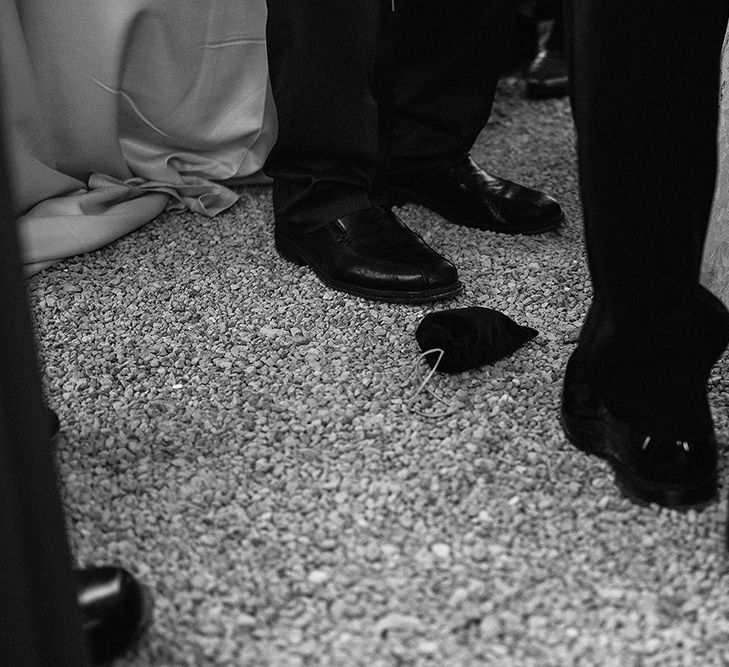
118,110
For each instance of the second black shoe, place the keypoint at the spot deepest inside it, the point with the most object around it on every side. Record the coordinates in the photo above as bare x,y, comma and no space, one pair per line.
671,472
115,610
372,254
469,196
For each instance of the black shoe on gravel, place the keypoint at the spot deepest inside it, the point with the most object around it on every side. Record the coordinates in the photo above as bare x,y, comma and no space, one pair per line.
374,255
674,473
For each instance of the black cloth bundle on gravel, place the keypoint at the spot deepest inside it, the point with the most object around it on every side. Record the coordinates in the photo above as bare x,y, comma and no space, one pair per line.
470,337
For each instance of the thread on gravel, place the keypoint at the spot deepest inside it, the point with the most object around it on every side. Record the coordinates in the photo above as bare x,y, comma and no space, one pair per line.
408,406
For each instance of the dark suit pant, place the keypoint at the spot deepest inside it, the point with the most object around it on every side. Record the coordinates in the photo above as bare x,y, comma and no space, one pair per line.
363,91
39,617
645,79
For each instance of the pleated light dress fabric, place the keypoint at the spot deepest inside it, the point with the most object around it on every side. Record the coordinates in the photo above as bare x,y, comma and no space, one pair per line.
118,110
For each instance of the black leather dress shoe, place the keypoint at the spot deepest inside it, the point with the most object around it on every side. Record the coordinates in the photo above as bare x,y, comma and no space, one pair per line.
467,195
115,610
670,472
371,253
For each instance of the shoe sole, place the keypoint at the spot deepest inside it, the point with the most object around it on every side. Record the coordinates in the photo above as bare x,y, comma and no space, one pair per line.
642,491
398,197
288,252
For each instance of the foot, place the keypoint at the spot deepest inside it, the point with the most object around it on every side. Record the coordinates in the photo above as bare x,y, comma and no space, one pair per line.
547,75
115,610
466,195
372,254
674,473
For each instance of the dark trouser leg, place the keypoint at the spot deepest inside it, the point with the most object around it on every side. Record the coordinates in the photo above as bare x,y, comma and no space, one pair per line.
39,615
645,80
324,66
447,61
555,41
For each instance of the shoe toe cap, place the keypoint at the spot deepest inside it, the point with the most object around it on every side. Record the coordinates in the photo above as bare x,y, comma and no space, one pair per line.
440,274
530,208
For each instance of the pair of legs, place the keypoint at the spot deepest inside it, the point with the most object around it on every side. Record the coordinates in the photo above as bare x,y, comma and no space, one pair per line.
645,85
381,101
364,92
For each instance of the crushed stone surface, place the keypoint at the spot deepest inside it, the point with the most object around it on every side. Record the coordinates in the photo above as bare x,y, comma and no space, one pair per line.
237,435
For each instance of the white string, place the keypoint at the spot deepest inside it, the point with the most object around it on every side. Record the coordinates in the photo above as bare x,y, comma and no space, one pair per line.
408,405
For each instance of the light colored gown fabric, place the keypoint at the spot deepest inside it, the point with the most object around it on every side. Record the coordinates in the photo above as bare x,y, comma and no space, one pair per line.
715,274
118,110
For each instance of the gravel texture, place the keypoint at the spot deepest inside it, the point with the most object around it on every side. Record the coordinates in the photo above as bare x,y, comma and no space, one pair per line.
236,435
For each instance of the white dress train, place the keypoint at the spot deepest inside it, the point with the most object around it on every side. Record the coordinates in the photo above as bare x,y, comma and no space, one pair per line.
114,111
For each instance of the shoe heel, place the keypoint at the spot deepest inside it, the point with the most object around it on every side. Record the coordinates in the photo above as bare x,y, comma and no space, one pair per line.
286,249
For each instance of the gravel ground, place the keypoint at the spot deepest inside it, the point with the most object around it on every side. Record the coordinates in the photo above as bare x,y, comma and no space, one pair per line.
237,436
